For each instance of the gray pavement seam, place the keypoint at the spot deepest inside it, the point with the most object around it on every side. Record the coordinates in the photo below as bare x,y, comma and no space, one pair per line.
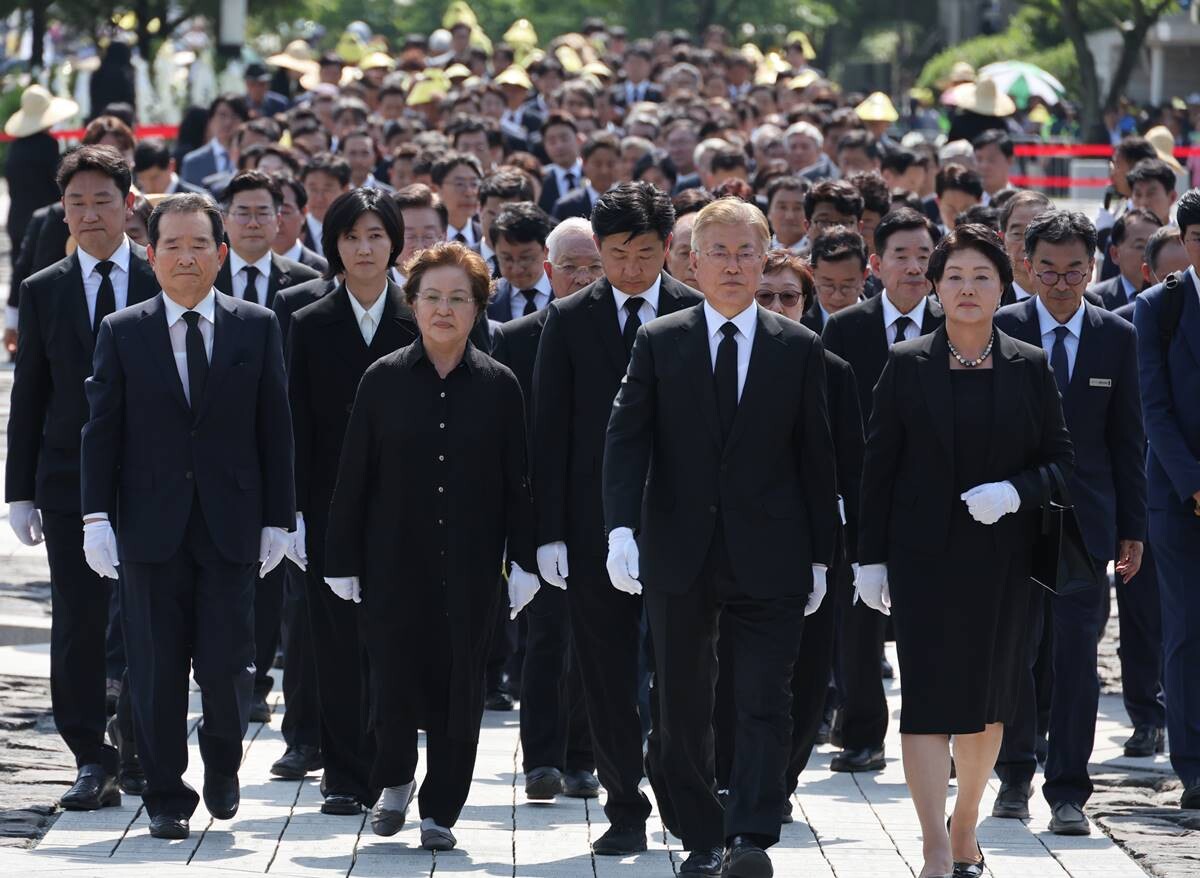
287,822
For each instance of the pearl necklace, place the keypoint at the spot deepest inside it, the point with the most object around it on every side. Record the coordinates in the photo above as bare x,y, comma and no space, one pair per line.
971,364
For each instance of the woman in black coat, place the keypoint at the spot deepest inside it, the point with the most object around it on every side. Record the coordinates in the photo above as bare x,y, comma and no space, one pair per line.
962,420
113,81
431,494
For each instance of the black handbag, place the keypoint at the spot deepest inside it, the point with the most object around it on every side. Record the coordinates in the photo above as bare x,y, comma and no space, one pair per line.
1061,562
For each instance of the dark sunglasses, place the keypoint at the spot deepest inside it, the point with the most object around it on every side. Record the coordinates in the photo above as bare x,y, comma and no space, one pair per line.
767,298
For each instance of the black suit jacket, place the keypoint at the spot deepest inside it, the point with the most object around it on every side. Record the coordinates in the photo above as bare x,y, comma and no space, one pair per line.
908,470
515,344
147,453
54,359
284,273
326,360
290,300
313,260
550,191
1111,292
580,363
846,423
577,202
813,318
1103,412
1125,312
771,485
856,334
44,244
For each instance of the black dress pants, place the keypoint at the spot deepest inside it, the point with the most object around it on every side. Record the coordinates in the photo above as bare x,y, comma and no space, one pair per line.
79,604
301,726
554,723
195,608
449,768
864,711
763,638
605,626
268,612
1140,616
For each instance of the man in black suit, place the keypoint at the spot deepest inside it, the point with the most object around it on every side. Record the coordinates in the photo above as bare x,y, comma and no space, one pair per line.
325,177
581,359
1018,212
561,140
332,342
61,309
519,234
637,87
599,157
839,269
456,178
1094,358
729,483
225,114
497,190
292,214
862,335
154,169
1127,248
188,451
555,740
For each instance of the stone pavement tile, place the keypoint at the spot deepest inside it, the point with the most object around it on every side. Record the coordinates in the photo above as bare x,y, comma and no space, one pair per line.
406,861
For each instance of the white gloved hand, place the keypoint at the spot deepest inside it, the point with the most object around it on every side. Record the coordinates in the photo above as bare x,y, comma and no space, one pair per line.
26,522
622,561
522,587
345,587
272,546
552,564
991,502
100,548
297,552
871,587
818,591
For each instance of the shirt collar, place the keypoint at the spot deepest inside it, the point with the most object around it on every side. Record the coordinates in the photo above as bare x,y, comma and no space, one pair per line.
485,250
217,148
420,356
651,295
120,258
237,263
1195,278
1021,293
592,193
543,286
1129,289
376,310
745,321
295,253
891,313
206,307
467,231
1047,324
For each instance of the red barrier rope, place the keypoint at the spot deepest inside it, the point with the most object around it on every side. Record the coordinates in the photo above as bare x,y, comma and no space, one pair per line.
1022,181
167,131
1082,150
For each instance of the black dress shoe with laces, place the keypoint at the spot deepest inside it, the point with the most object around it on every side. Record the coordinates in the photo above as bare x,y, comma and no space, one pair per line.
543,784
341,804
93,789
222,795
866,759
621,840
1012,802
580,784
169,826
1067,818
1146,741
710,862
745,859
298,762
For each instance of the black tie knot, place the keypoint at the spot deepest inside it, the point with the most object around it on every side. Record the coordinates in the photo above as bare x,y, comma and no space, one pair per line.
531,295
633,305
729,330
105,267
252,273
1061,333
191,318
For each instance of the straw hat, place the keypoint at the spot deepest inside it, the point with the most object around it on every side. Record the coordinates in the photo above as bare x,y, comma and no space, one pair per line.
458,71
984,98
39,111
598,69
515,76
377,59
877,107
960,72
800,38
427,91
803,79
297,56
1163,141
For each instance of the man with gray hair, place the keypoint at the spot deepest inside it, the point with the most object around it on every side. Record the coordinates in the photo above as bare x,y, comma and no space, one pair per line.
805,153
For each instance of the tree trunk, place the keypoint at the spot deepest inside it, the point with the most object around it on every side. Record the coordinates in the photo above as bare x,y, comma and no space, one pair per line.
1091,118
1132,42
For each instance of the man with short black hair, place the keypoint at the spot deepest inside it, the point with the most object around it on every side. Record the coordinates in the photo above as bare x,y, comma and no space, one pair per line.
225,114
154,169
519,234
993,158
1152,186
292,213
561,142
599,159
958,189
505,186
1127,248
456,177
325,177
839,267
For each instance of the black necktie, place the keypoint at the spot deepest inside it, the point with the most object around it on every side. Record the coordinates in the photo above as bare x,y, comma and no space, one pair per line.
1058,360
568,182
250,294
726,375
197,359
530,301
106,298
901,324
460,238
495,263
633,320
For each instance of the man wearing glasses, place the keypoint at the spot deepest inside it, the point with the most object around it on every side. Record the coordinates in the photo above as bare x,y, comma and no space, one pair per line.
457,177
254,273
839,268
519,235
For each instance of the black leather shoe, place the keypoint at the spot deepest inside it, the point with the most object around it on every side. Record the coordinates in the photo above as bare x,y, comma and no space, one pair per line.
131,778
710,862
222,795
342,804
1146,741
1067,818
543,784
297,762
823,732
786,816
580,784
260,711
172,826
498,699
621,840
866,759
1191,797
963,869
93,789
1012,801
745,859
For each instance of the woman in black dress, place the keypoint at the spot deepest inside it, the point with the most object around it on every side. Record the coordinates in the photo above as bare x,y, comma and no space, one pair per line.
431,494
951,495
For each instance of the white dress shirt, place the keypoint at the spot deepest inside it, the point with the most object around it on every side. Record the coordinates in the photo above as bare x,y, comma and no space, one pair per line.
236,266
891,314
825,315
119,277
635,92
544,294
649,309
368,318
1130,290
173,186
1047,324
486,252
746,323
295,253
177,329
314,227
467,231
560,177
396,276
1020,292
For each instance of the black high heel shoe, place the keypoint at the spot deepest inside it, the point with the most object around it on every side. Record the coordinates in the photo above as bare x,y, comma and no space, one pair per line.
967,870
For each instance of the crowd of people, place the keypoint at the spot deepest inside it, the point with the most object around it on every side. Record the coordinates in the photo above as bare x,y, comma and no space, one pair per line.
644,392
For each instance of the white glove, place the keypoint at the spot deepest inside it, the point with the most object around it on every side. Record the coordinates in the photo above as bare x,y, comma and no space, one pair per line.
296,551
345,587
552,564
26,522
622,561
871,587
991,502
818,592
272,546
522,587
100,548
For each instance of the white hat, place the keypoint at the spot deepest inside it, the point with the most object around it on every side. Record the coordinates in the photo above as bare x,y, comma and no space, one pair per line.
39,111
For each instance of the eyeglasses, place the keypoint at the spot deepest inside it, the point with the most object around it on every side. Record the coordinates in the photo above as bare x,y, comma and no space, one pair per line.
241,217
471,185
423,240
594,268
742,257
523,262
1051,278
844,290
788,298
435,300
289,211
